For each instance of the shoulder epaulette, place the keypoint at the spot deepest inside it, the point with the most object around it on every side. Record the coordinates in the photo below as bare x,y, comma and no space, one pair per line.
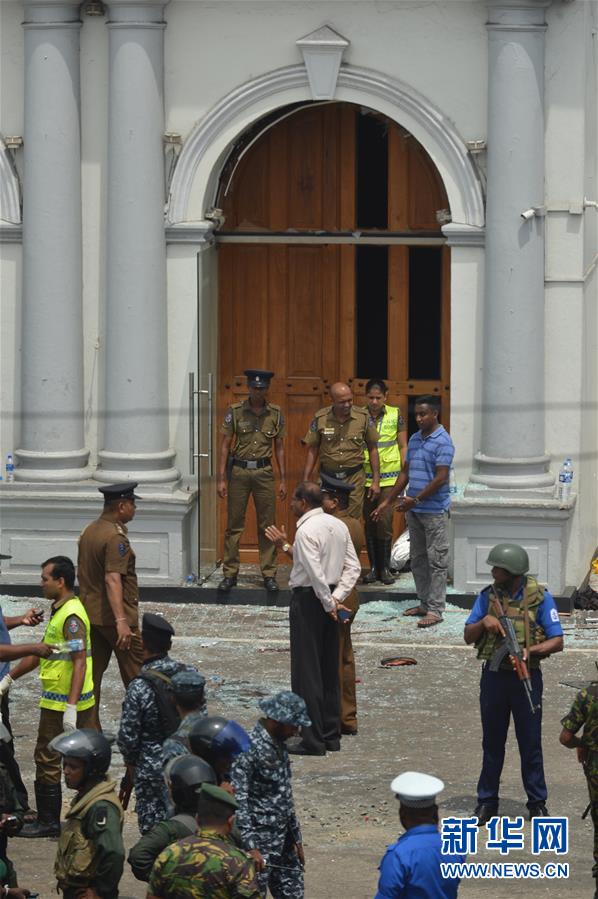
324,411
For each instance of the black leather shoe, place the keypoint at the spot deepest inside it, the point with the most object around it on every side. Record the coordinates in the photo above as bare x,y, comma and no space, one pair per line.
334,746
299,748
484,811
227,584
349,731
538,810
271,585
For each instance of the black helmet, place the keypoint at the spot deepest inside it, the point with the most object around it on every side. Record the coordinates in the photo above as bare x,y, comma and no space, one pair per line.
86,744
184,774
215,738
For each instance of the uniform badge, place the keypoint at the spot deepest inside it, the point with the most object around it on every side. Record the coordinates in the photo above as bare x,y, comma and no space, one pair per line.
554,615
228,418
329,432
122,548
73,626
314,425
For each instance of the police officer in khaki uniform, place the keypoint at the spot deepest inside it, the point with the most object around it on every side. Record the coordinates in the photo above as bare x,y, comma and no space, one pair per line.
339,434
335,496
249,432
108,587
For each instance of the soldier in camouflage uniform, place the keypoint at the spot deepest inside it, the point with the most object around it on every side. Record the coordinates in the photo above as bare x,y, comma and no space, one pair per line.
262,780
185,775
584,713
188,688
142,728
207,864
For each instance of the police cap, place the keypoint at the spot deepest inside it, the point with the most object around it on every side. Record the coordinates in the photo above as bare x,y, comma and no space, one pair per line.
188,683
119,491
334,486
286,708
156,625
416,790
217,794
257,377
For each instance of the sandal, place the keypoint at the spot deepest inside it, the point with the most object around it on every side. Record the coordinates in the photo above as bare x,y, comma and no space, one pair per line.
415,612
429,621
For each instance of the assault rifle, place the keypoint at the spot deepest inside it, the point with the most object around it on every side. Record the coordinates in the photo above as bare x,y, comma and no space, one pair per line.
510,647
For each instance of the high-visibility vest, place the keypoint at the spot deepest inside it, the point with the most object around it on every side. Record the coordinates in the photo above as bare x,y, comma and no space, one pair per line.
56,672
387,426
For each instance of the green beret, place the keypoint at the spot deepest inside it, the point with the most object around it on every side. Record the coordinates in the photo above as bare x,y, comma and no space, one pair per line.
217,794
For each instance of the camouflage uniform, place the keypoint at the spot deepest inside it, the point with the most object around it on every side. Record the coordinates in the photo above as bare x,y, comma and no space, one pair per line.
178,743
140,739
206,865
584,713
266,815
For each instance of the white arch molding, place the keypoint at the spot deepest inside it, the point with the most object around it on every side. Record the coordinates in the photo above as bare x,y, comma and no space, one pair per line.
209,144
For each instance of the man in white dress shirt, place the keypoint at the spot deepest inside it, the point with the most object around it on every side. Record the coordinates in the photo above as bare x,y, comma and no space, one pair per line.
325,570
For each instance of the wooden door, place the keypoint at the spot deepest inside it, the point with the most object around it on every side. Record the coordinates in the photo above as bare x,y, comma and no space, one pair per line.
283,308
287,261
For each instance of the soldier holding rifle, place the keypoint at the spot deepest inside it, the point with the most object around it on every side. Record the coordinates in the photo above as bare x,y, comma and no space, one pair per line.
531,609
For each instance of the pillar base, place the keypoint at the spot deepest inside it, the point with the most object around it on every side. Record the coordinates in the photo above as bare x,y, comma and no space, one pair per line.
62,467
526,475
541,525
148,468
43,520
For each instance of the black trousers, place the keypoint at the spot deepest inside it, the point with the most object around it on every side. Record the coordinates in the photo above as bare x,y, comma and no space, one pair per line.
7,757
314,668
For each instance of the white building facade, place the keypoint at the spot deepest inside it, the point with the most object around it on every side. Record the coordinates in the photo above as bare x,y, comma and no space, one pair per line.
128,113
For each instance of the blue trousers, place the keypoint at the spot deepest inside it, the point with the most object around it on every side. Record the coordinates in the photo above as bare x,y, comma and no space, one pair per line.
503,695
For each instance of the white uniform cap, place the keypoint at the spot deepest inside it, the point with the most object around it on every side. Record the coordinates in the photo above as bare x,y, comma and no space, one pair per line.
417,790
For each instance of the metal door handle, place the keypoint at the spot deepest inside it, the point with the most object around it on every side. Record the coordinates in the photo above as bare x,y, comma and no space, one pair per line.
209,455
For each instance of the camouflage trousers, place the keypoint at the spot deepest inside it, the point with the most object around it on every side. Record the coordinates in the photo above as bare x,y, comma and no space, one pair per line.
150,804
592,780
285,878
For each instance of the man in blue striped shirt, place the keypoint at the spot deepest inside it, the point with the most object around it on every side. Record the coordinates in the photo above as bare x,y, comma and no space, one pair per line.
426,472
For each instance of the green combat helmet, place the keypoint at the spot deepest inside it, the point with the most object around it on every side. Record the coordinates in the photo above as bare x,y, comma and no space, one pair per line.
510,556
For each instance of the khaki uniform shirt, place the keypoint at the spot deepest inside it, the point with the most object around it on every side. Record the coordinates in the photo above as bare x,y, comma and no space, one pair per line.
341,443
104,548
253,433
355,529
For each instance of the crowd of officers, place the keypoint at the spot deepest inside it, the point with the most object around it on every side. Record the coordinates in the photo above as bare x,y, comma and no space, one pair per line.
214,804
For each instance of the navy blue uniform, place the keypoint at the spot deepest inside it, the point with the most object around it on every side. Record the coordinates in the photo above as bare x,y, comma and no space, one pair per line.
410,868
502,695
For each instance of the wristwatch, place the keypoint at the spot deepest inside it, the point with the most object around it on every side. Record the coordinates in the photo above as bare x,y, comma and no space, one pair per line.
285,547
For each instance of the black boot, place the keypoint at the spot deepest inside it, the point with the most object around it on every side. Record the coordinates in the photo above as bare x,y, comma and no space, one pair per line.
384,573
49,804
372,576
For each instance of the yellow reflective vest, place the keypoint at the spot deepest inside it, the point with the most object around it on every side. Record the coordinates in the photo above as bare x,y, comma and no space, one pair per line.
56,672
387,426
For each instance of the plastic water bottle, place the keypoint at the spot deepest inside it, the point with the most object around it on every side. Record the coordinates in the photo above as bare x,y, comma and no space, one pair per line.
565,481
10,469
190,580
452,482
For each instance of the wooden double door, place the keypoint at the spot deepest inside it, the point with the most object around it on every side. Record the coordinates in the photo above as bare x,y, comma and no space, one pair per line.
319,287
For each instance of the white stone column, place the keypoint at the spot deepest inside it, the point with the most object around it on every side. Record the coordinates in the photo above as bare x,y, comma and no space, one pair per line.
136,431
52,430
512,453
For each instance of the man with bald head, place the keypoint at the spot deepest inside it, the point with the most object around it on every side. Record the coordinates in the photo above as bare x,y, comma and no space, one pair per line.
338,435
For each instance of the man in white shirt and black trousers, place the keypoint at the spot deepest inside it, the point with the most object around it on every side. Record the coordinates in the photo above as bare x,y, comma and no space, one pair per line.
325,570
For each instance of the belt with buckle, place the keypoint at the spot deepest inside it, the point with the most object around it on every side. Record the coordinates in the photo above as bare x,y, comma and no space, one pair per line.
252,463
344,473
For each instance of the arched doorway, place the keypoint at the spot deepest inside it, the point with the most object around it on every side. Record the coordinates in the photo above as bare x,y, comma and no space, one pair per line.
332,266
